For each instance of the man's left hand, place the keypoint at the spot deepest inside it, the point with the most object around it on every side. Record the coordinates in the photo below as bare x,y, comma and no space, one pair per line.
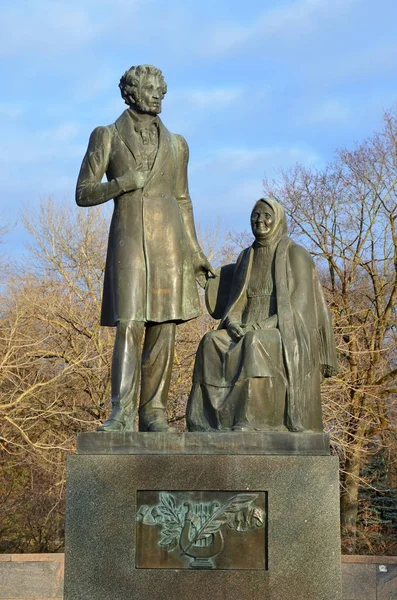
202,269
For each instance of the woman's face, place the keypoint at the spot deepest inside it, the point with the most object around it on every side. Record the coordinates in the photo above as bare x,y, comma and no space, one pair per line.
262,220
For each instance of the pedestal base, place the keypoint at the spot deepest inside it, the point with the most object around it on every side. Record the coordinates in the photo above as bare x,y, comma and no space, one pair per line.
134,520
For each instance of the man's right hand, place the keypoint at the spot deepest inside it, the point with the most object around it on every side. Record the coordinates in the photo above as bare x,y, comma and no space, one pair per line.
133,179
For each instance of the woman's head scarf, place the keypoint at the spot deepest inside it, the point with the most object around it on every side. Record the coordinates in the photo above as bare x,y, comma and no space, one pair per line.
280,222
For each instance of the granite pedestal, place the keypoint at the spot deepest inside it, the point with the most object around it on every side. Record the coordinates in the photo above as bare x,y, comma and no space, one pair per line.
274,503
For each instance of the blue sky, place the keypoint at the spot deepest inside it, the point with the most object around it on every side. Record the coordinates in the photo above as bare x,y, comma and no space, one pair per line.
253,86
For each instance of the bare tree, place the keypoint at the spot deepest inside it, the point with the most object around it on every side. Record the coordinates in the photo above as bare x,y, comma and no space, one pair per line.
346,215
54,365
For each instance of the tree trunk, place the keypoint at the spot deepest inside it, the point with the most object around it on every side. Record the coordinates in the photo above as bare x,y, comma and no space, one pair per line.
349,495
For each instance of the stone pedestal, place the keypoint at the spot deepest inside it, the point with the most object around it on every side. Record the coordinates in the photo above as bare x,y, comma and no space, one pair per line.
136,504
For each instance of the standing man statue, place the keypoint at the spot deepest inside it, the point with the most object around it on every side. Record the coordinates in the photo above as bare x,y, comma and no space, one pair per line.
153,258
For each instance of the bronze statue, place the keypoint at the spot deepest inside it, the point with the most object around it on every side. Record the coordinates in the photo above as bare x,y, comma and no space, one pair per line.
153,257
262,369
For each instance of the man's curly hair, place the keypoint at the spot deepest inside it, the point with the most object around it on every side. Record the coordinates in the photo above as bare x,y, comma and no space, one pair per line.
129,83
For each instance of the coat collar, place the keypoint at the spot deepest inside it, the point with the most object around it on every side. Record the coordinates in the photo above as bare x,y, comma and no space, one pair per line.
126,125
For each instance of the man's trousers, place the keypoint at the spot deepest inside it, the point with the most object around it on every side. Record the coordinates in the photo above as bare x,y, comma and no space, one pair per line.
148,364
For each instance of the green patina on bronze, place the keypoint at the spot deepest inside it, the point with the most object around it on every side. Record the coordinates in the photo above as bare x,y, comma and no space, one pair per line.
195,525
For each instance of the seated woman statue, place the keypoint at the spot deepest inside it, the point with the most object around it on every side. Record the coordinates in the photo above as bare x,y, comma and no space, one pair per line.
262,369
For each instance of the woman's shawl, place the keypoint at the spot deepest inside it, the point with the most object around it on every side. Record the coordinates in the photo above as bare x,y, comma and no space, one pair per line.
304,322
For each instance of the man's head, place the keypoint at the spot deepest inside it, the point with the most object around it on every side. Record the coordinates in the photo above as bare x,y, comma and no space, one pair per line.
143,88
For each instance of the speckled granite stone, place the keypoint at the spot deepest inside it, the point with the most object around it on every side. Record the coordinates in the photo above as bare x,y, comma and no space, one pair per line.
248,442
303,527
386,577
359,582
33,579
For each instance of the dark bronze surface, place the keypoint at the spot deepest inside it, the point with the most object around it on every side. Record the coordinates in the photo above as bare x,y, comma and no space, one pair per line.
217,291
201,530
153,257
262,369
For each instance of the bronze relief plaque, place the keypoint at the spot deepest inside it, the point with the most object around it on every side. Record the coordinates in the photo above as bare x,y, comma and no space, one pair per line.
201,530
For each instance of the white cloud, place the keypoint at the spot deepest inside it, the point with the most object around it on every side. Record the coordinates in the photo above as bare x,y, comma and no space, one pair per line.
41,147
329,112
62,132
50,28
188,111
374,61
237,160
208,97
287,22
91,85
8,111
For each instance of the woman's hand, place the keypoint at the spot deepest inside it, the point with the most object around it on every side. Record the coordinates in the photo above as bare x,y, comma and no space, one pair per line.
235,330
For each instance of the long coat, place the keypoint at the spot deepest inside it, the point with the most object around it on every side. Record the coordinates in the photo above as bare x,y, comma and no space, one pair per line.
149,274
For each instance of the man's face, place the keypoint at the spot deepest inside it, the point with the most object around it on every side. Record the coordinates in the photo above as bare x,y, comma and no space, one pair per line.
150,94
262,220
